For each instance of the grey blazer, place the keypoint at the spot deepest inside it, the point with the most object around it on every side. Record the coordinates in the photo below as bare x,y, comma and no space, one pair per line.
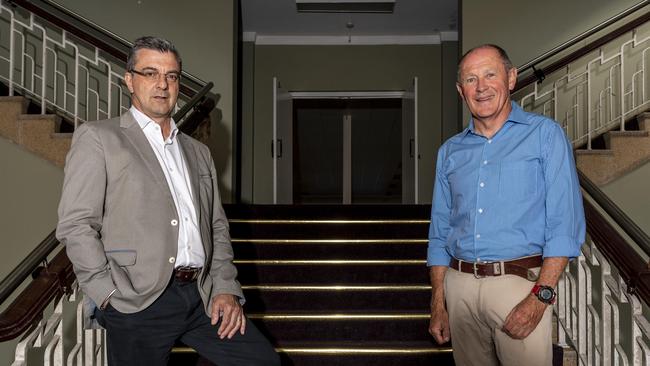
119,223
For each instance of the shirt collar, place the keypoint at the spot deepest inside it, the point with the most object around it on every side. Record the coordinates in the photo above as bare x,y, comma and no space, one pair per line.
143,121
517,115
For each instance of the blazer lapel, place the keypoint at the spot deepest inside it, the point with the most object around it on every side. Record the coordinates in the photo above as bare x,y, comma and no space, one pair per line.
134,134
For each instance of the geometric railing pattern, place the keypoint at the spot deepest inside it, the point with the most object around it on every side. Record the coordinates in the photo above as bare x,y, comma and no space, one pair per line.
597,92
61,338
598,316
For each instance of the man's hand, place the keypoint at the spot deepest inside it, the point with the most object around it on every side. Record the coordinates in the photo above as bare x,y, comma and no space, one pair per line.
524,317
226,307
439,324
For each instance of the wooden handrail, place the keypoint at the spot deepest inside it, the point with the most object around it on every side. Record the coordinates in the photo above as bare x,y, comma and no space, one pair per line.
51,282
564,61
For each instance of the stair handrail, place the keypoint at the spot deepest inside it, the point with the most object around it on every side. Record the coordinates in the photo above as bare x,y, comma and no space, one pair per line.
96,35
27,266
564,61
621,218
191,104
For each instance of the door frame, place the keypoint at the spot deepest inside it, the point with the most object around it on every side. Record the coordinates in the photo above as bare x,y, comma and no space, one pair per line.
391,94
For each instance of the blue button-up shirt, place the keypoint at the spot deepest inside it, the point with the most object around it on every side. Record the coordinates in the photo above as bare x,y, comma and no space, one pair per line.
514,195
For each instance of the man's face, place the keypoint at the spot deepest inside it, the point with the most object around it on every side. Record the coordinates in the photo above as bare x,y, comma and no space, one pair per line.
155,97
485,85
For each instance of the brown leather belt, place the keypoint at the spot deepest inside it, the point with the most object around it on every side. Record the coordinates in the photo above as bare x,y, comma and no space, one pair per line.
186,274
520,267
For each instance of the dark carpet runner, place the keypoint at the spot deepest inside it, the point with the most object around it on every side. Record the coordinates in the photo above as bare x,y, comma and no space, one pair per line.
336,285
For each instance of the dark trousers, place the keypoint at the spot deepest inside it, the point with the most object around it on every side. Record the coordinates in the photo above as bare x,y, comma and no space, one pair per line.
147,337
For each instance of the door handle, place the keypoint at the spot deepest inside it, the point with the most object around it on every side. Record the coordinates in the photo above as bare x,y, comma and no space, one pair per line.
279,144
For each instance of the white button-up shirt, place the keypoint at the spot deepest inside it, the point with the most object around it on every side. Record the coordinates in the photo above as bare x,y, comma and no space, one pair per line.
170,156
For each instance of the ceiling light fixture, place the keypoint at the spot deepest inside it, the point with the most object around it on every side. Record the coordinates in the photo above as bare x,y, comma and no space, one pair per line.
345,6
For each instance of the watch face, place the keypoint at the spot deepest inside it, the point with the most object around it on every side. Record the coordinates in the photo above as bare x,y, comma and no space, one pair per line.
546,294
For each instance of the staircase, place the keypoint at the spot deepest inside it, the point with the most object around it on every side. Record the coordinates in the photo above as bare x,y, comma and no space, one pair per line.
35,132
338,285
624,151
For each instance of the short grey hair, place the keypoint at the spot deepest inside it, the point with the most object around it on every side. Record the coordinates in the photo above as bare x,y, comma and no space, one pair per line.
507,63
151,43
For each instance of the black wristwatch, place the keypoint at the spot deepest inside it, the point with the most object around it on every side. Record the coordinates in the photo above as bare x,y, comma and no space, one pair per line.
545,294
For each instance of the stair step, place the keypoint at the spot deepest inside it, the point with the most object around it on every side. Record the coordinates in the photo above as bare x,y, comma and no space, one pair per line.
282,328
295,229
271,249
332,271
10,109
328,212
345,353
373,298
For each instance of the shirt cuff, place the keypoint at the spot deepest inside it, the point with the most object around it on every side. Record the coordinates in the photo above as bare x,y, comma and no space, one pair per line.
438,256
562,246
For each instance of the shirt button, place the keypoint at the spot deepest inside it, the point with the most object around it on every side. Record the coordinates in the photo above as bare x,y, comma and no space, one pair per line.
484,162
172,259
174,222
489,141
186,219
480,210
482,184
478,236
189,247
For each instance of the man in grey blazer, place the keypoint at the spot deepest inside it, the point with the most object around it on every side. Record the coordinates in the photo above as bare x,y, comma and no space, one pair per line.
142,222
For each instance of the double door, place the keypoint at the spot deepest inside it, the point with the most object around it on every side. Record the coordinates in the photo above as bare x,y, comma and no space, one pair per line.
344,148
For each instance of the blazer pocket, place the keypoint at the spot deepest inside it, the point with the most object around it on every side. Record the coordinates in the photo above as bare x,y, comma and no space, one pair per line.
123,258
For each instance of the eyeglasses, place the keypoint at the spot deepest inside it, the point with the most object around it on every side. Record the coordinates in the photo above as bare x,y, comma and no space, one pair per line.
154,75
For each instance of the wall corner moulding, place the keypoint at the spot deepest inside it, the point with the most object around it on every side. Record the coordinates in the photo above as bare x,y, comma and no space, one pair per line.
449,36
277,40
249,36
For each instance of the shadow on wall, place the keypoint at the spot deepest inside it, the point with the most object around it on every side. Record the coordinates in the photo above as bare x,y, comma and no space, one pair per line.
220,146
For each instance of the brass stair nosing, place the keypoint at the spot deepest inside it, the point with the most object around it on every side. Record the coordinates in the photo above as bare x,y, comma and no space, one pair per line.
331,241
338,222
330,317
338,288
364,351
344,350
296,262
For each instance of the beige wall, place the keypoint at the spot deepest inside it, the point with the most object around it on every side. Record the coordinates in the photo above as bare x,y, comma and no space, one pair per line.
30,197
345,68
526,29
205,37
630,193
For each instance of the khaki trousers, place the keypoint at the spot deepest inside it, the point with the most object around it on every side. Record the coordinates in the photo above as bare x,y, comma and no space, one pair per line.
477,309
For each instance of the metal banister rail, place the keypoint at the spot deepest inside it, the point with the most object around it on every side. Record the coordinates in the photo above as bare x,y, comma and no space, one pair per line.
532,77
95,35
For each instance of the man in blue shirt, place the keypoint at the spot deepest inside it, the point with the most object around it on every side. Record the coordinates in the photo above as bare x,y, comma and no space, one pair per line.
506,217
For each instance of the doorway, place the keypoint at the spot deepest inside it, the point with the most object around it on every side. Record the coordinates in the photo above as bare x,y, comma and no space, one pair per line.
347,151
353,155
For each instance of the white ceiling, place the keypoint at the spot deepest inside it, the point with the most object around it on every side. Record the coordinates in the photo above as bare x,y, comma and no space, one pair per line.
410,18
